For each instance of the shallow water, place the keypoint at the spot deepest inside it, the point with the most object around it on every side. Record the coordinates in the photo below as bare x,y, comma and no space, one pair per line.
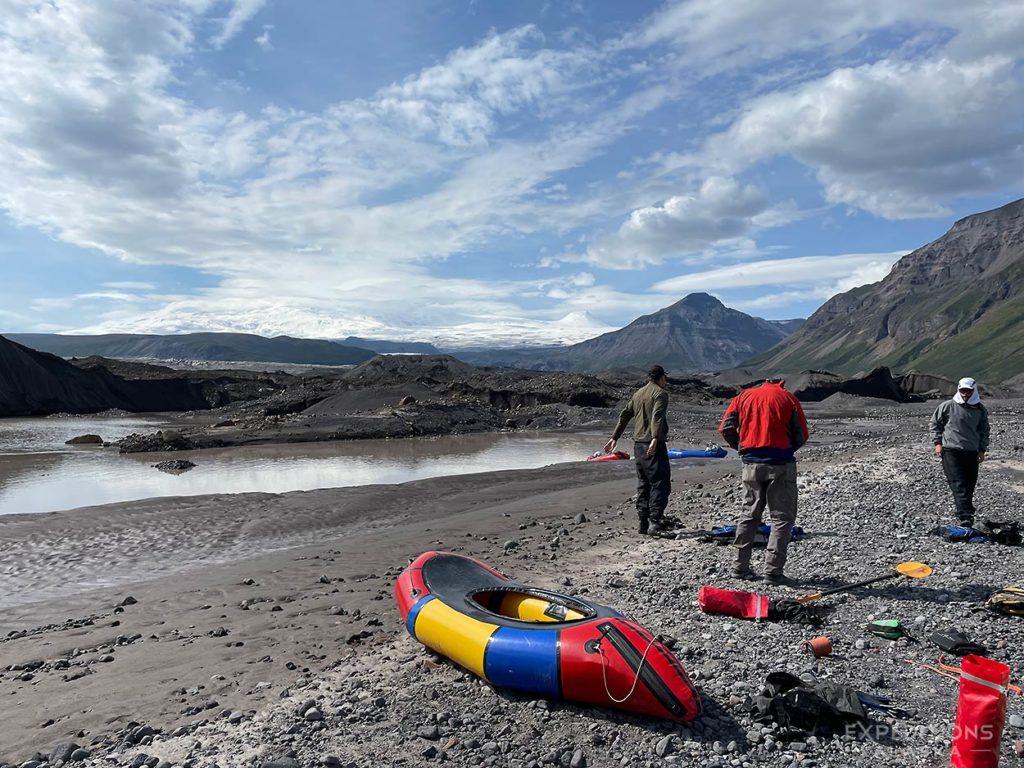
38,473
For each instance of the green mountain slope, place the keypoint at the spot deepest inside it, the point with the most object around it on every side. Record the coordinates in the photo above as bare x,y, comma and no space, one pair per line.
953,307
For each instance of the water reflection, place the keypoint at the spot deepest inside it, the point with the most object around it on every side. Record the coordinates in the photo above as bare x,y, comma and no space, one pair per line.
44,482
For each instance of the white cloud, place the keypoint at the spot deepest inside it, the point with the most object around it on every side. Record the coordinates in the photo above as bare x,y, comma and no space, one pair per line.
720,214
892,138
242,11
784,282
130,285
263,39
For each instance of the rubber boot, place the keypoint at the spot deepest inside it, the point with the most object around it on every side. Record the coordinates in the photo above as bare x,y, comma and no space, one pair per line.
644,524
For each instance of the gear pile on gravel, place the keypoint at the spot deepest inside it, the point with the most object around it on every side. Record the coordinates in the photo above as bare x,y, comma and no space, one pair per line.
870,493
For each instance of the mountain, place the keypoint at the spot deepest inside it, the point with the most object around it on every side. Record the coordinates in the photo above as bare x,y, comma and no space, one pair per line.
36,383
698,333
384,347
241,347
954,307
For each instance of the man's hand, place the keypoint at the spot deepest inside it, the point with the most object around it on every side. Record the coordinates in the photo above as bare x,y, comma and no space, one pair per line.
652,448
938,450
981,456
609,446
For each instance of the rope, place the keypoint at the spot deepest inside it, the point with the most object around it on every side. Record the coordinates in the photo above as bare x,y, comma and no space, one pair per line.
636,678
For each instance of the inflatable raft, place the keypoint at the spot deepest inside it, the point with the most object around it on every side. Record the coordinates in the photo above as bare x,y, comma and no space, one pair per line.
692,453
614,456
544,643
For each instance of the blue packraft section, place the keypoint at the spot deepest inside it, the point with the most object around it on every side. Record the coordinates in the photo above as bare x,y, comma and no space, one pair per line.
961,533
695,453
729,531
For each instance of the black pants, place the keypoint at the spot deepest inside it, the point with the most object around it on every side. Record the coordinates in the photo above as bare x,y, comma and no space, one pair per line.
653,481
961,468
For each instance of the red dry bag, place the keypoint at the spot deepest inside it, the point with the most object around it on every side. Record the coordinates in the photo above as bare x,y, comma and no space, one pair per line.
743,605
980,713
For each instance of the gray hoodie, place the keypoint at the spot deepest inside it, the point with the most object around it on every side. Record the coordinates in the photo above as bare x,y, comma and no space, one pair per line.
960,426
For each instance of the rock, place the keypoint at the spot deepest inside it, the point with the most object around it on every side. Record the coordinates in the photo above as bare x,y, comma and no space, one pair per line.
580,519
106,658
282,762
510,544
1016,721
63,751
1018,748
139,760
665,746
430,732
85,440
407,400
80,754
174,466
430,752
324,579
313,715
330,761
128,601
236,717
579,759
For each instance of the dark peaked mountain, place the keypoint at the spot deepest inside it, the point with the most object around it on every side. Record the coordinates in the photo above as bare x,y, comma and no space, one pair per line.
953,307
698,333
36,383
245,347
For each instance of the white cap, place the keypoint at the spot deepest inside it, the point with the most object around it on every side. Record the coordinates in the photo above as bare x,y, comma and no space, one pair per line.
967,383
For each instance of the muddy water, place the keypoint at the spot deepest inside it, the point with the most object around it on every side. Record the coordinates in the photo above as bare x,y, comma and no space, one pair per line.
38,473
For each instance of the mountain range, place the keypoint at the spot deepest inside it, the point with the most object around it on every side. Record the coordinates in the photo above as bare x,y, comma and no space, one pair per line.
240,347
953,307
697,333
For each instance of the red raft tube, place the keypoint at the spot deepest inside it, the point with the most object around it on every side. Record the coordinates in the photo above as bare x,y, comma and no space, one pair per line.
544,643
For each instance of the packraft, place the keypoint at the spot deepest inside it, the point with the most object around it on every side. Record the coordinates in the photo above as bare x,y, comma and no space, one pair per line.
961,533
711,452
724,534
980,713
614,456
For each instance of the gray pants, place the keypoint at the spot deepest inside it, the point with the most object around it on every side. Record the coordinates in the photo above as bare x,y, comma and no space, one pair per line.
774,486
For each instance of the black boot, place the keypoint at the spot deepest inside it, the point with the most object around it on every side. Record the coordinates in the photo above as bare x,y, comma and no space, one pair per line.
644,524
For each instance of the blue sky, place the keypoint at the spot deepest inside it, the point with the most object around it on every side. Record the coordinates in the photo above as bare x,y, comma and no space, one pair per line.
481,172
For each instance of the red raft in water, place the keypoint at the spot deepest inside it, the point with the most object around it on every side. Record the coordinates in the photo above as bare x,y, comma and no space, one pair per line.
541,642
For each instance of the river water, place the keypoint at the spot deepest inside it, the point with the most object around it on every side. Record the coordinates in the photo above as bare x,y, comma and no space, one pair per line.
38,473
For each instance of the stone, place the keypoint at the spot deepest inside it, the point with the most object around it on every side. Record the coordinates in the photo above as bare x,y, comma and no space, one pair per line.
236,717
580,519
282,762
1016,721
665,746
579,759
313,715
430,732
63,751
80,754
85,440
129,600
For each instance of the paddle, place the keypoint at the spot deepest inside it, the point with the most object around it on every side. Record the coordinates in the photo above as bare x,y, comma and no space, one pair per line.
910,569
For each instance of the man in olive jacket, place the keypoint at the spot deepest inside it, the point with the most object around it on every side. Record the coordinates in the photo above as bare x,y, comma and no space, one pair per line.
960,433
648,407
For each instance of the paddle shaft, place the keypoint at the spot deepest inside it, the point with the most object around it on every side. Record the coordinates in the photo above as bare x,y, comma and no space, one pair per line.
819,595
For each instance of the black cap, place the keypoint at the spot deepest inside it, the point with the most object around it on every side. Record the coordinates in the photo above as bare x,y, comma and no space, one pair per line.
655,373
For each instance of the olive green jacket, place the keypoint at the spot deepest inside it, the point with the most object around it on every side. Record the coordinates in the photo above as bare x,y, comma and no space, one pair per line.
648,407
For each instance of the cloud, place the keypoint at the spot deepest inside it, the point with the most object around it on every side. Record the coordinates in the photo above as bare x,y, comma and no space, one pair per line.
720,214
130,285
785,282
892,138
263,40
242,11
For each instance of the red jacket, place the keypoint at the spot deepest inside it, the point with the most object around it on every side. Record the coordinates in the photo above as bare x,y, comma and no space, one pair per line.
765,424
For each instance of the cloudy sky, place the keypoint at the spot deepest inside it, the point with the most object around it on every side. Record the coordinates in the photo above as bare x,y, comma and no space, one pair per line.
459,170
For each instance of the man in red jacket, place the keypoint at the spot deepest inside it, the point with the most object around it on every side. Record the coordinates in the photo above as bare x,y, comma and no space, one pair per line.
766,425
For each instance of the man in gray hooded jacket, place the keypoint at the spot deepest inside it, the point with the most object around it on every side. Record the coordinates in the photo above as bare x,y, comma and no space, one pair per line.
960,433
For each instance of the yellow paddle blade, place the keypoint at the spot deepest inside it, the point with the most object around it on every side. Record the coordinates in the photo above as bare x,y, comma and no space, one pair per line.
914,570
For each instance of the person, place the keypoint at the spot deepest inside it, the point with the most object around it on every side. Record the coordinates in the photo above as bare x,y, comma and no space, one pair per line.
766,425
648,407
960,433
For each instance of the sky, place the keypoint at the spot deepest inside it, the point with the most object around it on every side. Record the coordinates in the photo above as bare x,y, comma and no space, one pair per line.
484,172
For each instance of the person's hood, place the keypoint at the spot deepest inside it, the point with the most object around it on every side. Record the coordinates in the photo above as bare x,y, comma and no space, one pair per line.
975,398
